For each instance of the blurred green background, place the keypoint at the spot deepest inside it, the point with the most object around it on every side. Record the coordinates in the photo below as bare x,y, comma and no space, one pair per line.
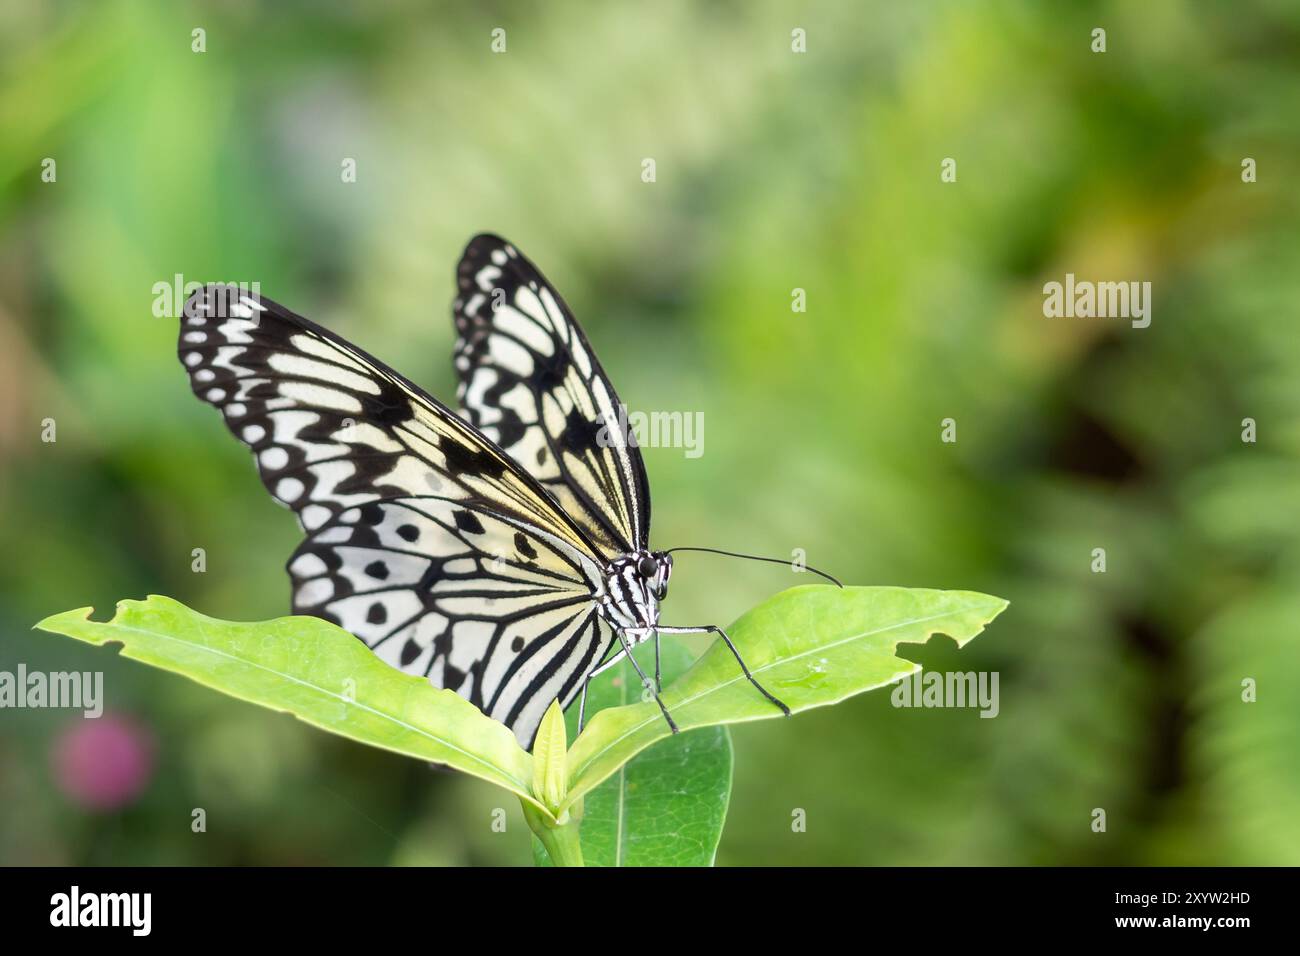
775,171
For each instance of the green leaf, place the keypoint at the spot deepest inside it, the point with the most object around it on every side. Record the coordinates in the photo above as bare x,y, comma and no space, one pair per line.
810,646
667,806
319,673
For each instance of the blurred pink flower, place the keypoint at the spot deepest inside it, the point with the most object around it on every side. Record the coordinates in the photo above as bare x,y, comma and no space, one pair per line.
104,763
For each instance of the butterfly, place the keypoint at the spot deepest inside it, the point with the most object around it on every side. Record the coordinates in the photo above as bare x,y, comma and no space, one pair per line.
504,552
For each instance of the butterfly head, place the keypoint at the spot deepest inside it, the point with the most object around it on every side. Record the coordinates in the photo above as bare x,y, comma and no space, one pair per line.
636,583
655,569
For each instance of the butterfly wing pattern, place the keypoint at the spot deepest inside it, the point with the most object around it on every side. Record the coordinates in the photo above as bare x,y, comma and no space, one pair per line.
530,381
425,539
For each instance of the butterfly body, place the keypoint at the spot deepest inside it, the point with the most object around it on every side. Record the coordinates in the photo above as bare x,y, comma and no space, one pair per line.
503,552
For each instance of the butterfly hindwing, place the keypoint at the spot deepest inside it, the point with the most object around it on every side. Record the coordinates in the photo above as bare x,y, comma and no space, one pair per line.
530,381
425,539
477,602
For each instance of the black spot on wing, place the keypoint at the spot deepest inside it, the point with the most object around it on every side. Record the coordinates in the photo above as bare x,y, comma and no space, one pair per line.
463,460
390,407
508,426
468,522
549,371
452,676
524,546
580,433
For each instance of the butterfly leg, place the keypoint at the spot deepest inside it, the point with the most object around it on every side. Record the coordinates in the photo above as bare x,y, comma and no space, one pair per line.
659,684
582,703
714,629
645,681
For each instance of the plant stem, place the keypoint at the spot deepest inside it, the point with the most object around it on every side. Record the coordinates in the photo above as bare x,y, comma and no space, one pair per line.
560,839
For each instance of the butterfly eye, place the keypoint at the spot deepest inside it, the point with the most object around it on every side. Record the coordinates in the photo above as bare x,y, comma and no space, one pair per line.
647,567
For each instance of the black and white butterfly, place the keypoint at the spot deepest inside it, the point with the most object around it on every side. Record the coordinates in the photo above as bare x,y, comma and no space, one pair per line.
505,555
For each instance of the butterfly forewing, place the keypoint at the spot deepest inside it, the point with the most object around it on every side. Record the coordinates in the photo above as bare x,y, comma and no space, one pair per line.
425,539
530,381
332,427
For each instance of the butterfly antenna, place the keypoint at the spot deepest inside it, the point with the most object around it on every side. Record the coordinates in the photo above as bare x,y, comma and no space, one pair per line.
754,557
